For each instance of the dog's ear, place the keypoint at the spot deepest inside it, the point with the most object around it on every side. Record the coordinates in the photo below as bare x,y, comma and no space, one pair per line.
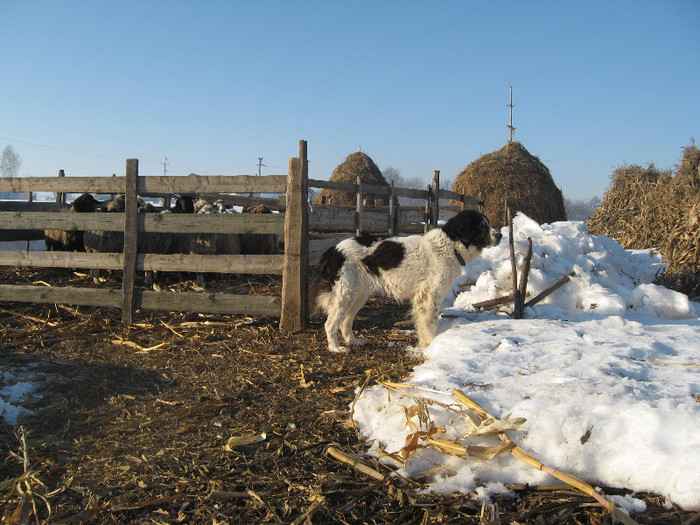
464,227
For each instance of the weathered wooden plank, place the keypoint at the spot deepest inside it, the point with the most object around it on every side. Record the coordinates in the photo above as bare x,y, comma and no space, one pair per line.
31,206
213,303
240,264
294,314
148,185
407,217
145,299
213,184
96,261
467,199
347,186
63,184
330,219
61,295
130,241
263,223
61,221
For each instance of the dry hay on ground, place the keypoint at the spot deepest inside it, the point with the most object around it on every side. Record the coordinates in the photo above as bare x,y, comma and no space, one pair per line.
647,208
133,423
512,174
356,164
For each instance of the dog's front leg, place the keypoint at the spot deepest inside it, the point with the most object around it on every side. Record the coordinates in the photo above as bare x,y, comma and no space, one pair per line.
425,316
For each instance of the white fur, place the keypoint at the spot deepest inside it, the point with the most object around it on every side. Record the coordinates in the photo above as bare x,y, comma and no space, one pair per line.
426,273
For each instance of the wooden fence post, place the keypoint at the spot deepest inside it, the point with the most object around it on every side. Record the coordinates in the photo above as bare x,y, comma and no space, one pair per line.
294,315
436,200
392,209
130,240
60,196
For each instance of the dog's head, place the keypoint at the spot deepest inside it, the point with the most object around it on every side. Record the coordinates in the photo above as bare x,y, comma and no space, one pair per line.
472,229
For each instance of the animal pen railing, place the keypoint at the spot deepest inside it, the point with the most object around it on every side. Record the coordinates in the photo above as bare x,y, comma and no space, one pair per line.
307,230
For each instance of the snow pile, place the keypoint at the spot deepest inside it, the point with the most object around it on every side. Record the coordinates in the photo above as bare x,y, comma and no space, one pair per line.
605,370
14,389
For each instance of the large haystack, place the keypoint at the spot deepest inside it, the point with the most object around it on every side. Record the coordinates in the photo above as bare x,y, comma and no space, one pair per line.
512,174
355,165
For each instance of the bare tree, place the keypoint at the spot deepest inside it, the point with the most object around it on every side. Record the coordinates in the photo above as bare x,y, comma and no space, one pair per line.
11,161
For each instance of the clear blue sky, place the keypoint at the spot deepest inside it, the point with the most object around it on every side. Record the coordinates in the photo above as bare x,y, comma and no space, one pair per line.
419,86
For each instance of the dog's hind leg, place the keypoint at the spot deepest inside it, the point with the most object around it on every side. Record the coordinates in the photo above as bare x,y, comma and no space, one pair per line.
346,325
339,305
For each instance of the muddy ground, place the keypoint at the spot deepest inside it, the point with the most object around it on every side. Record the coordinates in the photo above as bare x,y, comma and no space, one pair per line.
131,424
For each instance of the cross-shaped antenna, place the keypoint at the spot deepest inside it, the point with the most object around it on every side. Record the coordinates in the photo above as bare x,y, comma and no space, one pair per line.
511,129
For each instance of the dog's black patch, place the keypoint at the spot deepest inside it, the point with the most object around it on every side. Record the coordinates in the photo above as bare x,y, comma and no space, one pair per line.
324,275
367,239
387,255
328,268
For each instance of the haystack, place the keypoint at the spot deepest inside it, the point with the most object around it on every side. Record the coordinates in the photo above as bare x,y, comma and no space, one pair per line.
357,164
512,174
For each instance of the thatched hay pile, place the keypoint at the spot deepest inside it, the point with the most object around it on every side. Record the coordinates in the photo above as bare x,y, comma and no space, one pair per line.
512,174
647,208
357,164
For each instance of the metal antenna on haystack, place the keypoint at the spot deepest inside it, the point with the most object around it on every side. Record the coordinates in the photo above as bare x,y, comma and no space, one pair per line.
511,129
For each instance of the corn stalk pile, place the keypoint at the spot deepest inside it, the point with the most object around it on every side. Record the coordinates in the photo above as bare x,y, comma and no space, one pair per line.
647,208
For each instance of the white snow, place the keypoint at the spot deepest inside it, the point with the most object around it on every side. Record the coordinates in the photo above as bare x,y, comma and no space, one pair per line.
14,388
605,370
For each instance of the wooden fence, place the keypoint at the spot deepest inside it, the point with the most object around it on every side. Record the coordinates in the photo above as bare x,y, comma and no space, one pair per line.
307,231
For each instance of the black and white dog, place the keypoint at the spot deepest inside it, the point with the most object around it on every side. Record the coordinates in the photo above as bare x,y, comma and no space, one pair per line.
417,268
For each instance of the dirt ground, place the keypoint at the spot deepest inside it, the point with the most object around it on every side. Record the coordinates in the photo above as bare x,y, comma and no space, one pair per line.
131,424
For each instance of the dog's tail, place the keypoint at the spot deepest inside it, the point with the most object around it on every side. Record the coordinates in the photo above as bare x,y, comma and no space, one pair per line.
323,277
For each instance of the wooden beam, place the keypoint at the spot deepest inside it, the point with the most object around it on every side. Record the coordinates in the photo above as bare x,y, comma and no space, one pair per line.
28,293
213,303
130,241
213,184
294,315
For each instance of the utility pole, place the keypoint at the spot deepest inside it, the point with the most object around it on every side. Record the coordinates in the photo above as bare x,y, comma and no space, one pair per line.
165,201
260,165
511,129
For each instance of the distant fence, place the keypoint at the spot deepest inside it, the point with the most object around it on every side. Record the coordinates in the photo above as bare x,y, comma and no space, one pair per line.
307,230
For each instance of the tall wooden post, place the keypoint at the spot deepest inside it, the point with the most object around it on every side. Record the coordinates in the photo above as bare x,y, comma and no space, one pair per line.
392,209
436,200
295,310
61,196
130,240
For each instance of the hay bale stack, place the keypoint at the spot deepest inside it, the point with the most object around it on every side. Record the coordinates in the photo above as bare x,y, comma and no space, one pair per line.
512,174
357,164
632,211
